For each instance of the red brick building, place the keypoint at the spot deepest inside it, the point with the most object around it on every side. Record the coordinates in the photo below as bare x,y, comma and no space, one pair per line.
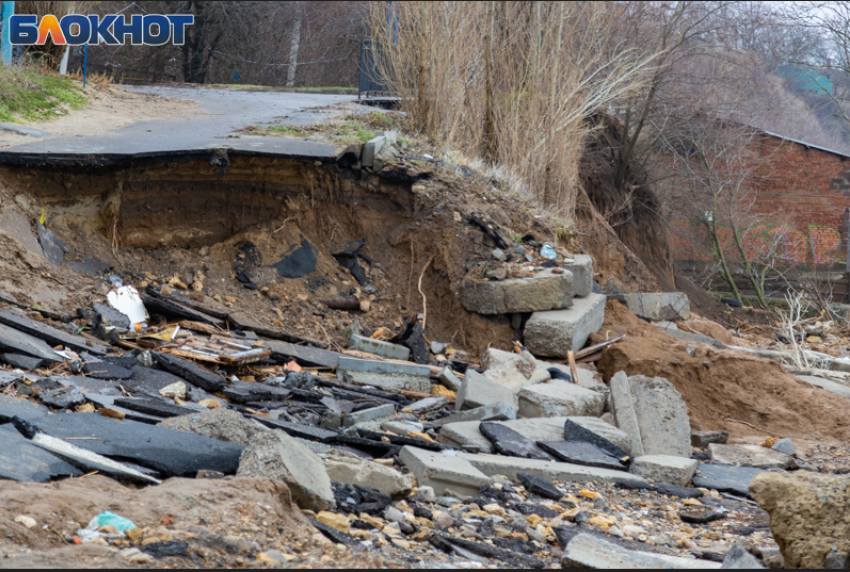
800,197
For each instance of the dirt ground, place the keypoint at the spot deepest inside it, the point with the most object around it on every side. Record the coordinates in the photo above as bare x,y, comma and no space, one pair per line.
724,389
108,109
206,523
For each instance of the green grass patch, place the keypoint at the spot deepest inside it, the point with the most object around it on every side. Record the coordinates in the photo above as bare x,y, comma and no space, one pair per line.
31,96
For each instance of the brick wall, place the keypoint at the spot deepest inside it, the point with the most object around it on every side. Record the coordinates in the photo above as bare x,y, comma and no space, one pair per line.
801,198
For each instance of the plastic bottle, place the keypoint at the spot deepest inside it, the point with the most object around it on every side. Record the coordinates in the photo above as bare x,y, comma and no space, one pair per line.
548,252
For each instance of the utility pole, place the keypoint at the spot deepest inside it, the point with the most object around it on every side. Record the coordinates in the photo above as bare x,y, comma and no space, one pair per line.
5,31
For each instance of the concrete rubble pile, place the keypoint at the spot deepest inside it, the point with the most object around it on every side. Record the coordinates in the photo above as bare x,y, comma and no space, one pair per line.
510,458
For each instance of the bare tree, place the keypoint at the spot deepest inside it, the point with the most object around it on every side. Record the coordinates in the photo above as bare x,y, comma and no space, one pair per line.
719,167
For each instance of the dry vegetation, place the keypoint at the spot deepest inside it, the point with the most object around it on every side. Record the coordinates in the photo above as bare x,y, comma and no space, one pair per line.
512,83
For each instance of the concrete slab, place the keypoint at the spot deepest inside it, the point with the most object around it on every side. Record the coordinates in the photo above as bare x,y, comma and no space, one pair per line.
554,333
513,370
371,414
665,469
559,398
591,552
391,382
624,411
448,378
831,386
442,472
662,417
390,376
659,306
379,347
510,466
753,456
498,411
477,391
671,330
53,336
582,269
371,150
541,292
535,429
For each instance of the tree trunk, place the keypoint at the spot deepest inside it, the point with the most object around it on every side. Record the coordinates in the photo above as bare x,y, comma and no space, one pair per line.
294,45
491,151
423,71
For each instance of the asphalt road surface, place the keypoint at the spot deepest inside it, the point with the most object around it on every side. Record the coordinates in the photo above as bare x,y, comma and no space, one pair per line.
224,111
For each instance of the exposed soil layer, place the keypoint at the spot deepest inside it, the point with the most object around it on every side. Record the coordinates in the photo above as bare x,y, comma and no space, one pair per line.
193,222
726,390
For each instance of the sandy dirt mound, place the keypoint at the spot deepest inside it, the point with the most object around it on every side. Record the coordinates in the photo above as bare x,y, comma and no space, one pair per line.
215,518
726,390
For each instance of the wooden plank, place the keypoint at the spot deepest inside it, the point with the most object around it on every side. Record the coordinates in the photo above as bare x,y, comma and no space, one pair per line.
598,347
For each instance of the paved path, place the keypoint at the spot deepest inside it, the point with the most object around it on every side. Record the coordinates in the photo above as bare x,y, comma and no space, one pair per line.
224,112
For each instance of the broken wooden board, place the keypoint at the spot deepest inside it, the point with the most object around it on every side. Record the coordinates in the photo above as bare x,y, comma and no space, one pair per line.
52,336
218,349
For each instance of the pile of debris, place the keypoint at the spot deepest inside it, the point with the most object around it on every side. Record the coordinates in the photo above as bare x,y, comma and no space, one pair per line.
397,440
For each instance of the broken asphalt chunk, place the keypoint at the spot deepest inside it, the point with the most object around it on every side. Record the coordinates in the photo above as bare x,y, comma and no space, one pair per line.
54,250
191,372
575,432
661,488
63,398
106,370
52,336
300,430
171,453
19,342
487,551
22,361
22,461
89,460
152,406
724,479
538,486
299,261
509,442
581,453
244,392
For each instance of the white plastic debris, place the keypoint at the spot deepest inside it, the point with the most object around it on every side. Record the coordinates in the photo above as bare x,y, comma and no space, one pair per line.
548,252
126,300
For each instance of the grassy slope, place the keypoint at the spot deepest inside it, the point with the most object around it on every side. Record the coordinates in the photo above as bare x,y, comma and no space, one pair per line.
27,95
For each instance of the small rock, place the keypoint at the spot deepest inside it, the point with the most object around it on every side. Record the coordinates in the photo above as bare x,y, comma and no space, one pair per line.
616,532
499,255
27,521
426,494
785,446
337,521
392,514
437,348
739,559
534,534
174,391
443,520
